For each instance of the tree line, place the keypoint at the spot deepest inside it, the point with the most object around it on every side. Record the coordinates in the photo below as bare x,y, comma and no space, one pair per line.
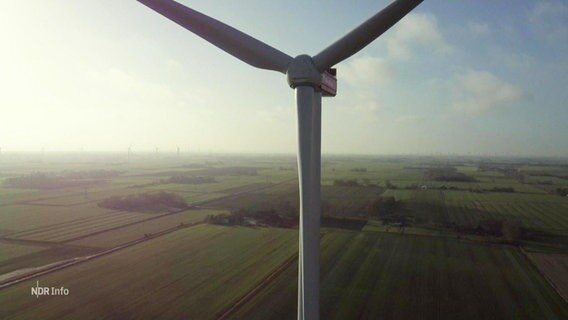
145,202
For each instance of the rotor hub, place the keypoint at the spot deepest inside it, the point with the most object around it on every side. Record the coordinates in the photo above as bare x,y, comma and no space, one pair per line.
303,72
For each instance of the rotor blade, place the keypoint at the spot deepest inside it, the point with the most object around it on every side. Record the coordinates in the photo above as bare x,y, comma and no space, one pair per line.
364,34
227,38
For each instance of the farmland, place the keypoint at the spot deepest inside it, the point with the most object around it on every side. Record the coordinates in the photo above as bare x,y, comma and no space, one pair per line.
10,250
125,234
365,274
553,266
436,237
534,211
77,227
153,279
374,275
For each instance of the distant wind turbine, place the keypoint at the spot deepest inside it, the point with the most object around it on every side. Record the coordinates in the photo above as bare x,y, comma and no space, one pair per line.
311,78
129,152
177,151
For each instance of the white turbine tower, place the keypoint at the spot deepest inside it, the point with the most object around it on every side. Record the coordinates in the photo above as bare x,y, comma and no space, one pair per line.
311,78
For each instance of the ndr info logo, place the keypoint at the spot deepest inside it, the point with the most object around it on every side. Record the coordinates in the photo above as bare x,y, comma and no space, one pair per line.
49,291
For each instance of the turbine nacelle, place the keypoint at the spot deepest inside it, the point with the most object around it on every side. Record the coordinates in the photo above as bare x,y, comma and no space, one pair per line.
302,71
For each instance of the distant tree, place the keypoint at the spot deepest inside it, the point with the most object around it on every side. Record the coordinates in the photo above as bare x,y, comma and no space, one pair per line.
493,227
382,207
222,218
562,191
286,209
511,230
389,185
181,179
447,174
325,208
345,183
502,189
145,202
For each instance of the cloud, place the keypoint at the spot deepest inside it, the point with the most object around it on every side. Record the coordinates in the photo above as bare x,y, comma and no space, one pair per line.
366,71
370,77
516,60
549,19
174,64
478,29
369,107
416,30
481,91
409,119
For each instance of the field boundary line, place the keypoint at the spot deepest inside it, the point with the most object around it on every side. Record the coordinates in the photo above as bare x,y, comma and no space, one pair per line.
39,204
57,225
550,282
227,312
247,297
74,261
129,224
236,194
41,243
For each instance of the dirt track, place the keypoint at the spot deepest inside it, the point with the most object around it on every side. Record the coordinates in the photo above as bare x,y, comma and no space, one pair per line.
71,262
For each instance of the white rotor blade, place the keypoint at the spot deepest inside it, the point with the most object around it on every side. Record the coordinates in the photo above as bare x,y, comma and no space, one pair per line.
227,38
364,34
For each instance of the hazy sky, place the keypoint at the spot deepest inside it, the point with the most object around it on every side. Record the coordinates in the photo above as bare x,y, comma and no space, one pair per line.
454,76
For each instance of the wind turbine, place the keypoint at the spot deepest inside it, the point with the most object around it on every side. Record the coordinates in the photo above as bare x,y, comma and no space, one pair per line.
311,78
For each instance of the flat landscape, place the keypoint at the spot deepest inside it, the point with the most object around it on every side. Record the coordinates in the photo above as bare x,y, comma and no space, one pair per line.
368,275
193,274
215,237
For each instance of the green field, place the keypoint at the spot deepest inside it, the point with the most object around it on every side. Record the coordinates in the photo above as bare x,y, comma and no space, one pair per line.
377,172
542,212
534,211
30,256
78,227
365,275
191,274
18,218
10,251
384,276
340,200
118,236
